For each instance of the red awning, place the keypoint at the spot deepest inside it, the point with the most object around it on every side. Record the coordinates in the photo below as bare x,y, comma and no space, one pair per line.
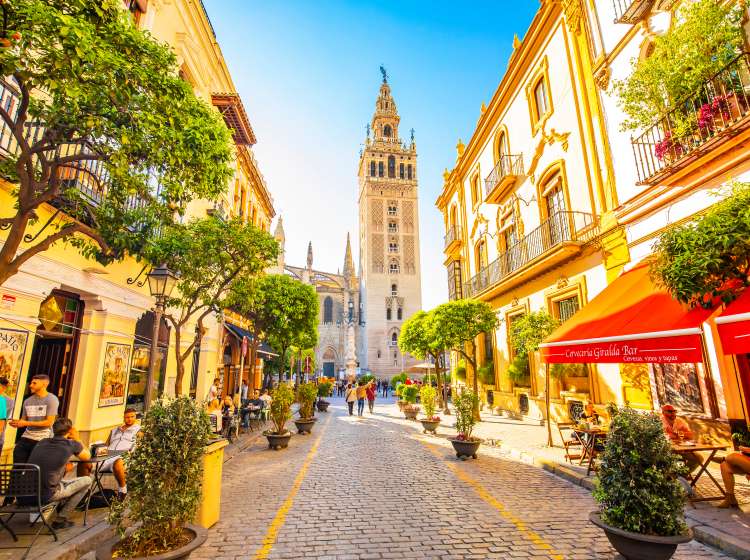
734,326
631,321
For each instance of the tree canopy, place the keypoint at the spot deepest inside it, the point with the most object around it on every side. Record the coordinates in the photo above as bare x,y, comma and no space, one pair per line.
210,255
103,127
709,258
528,331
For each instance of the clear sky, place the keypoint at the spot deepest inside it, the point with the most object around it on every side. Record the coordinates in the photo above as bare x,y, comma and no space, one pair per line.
307,71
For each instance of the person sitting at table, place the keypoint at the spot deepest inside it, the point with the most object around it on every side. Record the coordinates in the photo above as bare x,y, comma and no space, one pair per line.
252,405
214,414
121,439
677,430
52,455
266,397
734,463
590,414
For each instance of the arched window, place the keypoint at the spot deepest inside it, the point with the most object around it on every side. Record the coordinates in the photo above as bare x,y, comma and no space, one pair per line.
392,167
328,310
380,169
394,338
408,171
394,290
502,146
372,168
399,314
387,131
400,170
394,267
388,314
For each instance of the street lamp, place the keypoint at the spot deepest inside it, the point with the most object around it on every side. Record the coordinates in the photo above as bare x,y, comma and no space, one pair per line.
161,282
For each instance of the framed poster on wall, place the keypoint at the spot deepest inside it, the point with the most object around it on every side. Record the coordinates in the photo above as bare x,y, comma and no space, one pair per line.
12,352
114,374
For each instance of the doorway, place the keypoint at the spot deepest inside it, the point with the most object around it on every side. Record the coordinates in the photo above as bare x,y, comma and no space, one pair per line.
56,344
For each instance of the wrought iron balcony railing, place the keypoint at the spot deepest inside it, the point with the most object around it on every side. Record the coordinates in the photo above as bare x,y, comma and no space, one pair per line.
559,228
697,124
452,235
631,11
508,168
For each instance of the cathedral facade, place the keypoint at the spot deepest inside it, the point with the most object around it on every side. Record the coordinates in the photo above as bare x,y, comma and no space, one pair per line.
389,267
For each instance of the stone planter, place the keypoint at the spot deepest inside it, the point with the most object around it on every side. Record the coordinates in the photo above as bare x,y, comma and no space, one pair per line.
278,441
429,426
411,413
323,406
465,449
305,425
635,546
401,405
199,534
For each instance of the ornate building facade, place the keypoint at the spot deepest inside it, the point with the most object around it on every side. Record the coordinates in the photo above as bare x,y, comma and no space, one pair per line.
390,287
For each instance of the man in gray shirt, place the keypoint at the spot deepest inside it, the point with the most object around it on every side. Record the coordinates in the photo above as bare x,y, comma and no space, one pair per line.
38,414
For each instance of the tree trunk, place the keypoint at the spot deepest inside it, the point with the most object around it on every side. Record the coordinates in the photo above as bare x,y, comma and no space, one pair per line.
253,358
472,361
282,364
180,362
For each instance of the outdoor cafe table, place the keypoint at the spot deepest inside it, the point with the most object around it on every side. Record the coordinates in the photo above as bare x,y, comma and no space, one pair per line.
596,434
96,483
683,448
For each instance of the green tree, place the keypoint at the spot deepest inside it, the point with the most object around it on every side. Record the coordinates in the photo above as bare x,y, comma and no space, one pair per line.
707,258
418,339
282,311
457,324
116,121
211,256
706,38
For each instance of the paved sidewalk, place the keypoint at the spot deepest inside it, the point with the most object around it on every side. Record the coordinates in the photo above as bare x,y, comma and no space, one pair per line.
726,529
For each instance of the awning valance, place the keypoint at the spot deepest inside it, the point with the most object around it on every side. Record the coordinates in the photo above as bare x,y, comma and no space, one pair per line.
734,326
631,321
239,332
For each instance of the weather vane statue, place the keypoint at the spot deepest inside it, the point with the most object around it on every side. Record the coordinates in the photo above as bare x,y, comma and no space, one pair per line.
385,74
368,130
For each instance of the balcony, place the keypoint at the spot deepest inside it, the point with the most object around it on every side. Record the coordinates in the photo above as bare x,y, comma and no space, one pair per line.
631,11
505,174
557,239
453,239
699,124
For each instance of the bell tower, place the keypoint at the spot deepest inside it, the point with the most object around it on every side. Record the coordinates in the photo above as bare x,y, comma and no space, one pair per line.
390,281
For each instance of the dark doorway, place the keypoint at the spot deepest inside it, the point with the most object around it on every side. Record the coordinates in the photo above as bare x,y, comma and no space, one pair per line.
56,344
144,329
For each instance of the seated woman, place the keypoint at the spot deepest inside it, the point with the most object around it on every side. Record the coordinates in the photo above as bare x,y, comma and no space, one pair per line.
214,414
734,463
589,413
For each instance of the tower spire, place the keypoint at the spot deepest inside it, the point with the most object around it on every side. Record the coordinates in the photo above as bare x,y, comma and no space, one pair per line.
385,119
348,260
309,256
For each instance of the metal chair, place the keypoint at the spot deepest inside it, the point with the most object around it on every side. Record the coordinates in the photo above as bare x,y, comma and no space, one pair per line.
23,482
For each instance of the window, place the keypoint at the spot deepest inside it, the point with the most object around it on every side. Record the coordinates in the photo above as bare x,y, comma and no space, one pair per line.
454,281
372,168
394,341
502,146
566,308
488,346
400,314
393,247
392,227
394,267
392,209
480,255
328,310
394,290
554,200
475,196
380,169
541,106
401,172
408,171
679,385
391,167
388,314
387,131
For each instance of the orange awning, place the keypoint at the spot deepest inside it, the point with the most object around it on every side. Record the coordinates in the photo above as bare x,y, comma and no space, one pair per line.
631,321
734,325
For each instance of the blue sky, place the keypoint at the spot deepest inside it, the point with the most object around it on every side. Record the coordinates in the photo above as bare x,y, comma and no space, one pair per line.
307,71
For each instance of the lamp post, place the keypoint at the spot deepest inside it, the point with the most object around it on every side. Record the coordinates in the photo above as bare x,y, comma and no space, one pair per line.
161,282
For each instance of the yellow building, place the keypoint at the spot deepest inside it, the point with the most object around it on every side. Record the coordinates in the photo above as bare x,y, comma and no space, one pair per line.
545,207
89,327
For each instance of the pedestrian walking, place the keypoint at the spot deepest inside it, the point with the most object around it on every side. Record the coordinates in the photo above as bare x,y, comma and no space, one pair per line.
371,392
351,396
385,389
361,396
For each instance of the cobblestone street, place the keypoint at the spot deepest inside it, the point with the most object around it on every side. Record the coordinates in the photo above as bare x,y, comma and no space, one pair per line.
375,487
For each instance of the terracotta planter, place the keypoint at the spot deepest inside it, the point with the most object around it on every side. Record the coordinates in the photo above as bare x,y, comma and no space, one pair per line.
411,414
429,426
401,405
305,425
465,449
104,550
278,441
634,546
323,406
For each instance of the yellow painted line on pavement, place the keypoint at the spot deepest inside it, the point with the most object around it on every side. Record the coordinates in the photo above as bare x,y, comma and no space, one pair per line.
278,521
530,534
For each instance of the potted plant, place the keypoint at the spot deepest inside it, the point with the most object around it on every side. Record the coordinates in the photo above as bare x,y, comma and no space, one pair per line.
430,422
324,390
282,398
641,499
165,471
464,443
409,394
400,396
306,395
